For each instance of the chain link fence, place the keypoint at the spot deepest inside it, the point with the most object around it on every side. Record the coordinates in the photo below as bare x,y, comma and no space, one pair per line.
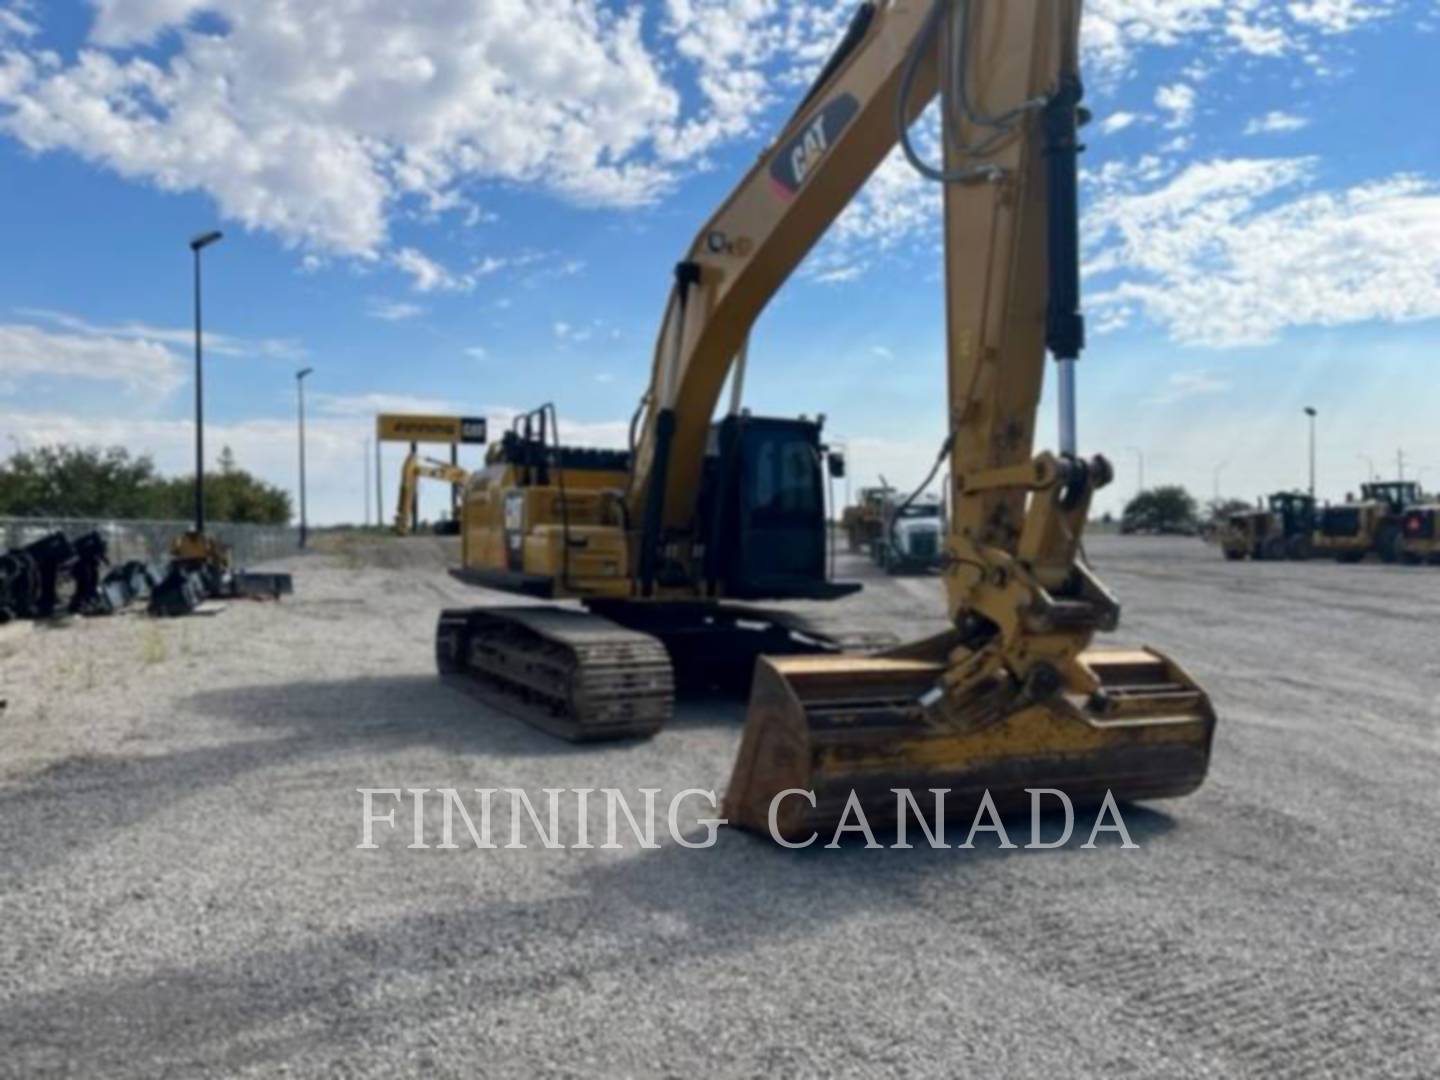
149,541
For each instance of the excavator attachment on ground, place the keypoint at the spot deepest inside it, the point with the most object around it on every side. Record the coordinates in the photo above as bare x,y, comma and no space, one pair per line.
822,728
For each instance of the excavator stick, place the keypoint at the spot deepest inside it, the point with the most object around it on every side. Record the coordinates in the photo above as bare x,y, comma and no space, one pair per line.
1015,698
823,727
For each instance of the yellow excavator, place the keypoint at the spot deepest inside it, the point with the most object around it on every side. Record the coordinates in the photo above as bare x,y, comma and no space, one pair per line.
407,506
665,546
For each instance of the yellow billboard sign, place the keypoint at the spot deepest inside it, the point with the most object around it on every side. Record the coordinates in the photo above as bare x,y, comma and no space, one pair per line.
452,430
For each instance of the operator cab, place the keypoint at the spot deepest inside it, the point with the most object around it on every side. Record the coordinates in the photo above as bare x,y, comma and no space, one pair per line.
1296,512
762,511
1397,494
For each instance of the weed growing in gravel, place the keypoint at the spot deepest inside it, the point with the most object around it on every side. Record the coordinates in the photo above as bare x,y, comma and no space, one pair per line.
153,649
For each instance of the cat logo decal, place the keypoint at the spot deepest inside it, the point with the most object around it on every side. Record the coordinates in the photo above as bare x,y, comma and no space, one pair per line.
798,158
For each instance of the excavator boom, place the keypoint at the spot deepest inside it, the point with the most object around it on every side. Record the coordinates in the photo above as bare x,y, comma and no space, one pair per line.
415,469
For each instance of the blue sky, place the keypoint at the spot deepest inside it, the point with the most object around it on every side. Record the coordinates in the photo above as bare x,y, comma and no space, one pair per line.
474,206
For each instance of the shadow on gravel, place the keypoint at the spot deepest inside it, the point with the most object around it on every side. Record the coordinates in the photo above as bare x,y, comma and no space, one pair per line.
638,916
421,709
82,801
399,709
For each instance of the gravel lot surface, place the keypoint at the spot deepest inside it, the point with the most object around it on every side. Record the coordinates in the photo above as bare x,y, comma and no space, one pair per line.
181,891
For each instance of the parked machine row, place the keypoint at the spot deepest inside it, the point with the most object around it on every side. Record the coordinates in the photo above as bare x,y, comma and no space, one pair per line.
1394,520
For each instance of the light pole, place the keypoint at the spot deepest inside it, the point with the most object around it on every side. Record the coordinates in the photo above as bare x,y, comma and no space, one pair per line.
300,400
365,480
1369,465
1218,470
1311,413
1140,459
197,245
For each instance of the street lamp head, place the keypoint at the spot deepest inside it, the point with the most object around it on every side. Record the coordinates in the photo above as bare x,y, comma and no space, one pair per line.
204,240
1310,412
303,372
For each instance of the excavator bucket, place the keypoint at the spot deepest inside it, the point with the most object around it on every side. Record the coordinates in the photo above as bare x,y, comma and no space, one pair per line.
822,727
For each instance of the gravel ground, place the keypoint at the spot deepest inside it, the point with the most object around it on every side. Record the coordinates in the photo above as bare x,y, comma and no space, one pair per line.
181,891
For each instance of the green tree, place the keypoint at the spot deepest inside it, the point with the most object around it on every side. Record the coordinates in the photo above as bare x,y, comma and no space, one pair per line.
1167,509
73,481
67,481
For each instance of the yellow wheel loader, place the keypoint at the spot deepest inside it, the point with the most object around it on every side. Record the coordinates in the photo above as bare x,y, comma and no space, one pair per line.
1421,543
1375,523
667,545
1285,531
864,523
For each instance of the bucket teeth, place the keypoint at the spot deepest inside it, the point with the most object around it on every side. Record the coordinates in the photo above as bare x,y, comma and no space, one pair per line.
827,726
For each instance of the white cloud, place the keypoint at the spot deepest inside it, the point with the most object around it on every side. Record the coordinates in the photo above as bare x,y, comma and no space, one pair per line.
312,121
14,24
137,356
1257,39
1117,121
371,404
1178,100
1232,252
902,463
568,332
180,337
895,206
477,352
1339,16
431,276
319,121
1183,385
135,363
1275,123
393,310
1116,31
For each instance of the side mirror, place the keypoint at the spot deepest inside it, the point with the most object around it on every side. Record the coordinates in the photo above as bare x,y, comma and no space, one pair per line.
835,461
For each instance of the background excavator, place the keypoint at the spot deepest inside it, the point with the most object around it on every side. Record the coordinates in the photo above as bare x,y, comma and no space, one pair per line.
407,504
659,543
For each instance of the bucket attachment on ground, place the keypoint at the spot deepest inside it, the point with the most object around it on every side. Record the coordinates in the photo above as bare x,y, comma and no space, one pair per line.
179,593
50,558
250,585
827,726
